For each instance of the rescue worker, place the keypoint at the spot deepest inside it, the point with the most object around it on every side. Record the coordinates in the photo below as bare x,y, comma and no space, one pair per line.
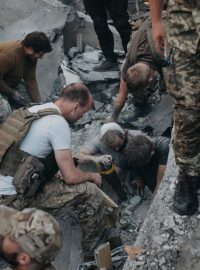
34,144
148,158
183,79
107,149
30,239
18,62
97,9
138,73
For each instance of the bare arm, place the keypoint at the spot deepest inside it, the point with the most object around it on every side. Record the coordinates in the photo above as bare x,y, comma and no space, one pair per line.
160,174
5,66
85,156
158,28
120,101
71,174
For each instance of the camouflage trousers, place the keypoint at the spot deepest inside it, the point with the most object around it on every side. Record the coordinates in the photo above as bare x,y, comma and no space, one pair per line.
87,202
183,83
6,108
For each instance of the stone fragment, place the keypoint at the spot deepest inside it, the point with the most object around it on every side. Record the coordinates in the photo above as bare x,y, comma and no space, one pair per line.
91,57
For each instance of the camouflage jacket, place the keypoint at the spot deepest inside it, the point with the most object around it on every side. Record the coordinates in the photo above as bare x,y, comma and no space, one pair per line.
184,24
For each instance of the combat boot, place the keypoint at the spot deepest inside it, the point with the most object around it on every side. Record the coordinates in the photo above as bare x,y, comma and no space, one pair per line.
185,195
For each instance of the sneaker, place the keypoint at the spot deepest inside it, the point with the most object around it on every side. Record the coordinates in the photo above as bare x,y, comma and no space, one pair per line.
107,65
185,195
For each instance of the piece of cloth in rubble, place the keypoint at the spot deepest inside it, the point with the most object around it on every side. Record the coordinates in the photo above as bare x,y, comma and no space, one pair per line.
45,135
36,232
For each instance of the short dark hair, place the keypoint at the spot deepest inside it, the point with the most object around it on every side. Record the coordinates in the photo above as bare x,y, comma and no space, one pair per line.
38,41
138,150
77,92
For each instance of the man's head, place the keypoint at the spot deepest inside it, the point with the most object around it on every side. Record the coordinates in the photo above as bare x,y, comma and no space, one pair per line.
74,101
30,238
36,44
113,136
138,77
139,150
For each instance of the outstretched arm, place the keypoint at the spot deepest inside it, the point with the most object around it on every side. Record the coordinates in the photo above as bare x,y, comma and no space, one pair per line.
72,175
119,102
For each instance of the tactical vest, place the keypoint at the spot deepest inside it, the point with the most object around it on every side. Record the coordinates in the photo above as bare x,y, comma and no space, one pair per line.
12,132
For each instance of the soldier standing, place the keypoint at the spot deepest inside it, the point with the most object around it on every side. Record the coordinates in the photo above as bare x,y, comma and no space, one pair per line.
184,86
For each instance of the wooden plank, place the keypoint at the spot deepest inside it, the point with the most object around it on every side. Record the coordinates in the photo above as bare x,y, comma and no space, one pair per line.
103,256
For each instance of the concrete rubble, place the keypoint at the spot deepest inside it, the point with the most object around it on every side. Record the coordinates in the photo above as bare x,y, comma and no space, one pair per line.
170,241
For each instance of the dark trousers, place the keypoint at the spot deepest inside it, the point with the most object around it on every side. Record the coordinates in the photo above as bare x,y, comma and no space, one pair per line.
118,12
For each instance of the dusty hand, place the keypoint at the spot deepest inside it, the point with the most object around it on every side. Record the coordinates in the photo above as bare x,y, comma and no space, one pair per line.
110,119
97,179
16,96
138,182
159,35
104,159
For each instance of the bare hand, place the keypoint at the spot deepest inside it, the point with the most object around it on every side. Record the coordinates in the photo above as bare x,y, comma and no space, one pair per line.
159,35
138,182
110,119
97,179
16,96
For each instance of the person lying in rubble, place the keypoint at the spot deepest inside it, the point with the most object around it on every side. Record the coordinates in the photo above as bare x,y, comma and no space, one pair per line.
148,158
106,149
29,239
18,62
42,146
139,74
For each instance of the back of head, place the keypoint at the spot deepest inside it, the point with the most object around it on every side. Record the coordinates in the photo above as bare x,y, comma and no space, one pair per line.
139,150
137,77
36,232
38,41
109,131
77,92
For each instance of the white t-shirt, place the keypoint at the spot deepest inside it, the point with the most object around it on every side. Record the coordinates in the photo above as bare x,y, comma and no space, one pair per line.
46,134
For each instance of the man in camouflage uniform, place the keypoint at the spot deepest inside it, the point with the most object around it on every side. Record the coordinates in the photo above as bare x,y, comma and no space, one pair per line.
49,135
183,79
30,239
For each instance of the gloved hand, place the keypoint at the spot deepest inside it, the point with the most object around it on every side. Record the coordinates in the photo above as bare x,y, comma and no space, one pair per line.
106,160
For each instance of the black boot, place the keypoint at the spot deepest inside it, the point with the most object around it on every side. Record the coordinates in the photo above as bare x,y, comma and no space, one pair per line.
107,65
185,195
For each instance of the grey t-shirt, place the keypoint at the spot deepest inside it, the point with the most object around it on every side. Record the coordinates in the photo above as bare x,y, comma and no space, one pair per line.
98,147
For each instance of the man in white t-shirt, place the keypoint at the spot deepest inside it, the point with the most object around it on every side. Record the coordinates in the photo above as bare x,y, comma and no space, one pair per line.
51,134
